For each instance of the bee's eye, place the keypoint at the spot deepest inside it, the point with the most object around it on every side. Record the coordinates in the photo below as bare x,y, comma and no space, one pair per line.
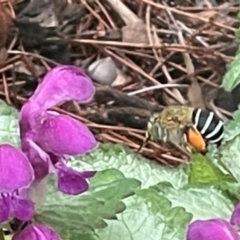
195,138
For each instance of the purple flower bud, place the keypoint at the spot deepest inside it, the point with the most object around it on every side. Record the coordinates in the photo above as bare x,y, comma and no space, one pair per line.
36,231
63,83
212,229
235,218
71,181
62,135
16,175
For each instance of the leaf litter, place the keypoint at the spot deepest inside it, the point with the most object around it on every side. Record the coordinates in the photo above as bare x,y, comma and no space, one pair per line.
158,52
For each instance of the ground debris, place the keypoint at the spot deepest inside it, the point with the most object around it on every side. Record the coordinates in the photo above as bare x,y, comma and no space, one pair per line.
162,52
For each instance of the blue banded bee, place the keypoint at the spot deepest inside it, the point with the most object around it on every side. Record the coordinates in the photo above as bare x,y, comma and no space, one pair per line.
191,128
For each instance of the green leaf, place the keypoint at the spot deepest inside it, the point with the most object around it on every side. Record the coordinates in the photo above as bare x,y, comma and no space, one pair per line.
77,215
202,170
205,173
228,153
202,201
230,156
148,216
9,130
232,127
231,190
232,76
131,165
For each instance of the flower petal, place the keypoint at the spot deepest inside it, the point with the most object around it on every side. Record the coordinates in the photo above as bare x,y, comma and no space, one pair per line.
29,116
39,159
70,181
22,209
212,229
37,231
63,135
63,83
88,174
4,209
235,218
15,169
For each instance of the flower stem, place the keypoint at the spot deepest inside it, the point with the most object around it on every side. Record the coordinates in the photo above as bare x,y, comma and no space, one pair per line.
1,234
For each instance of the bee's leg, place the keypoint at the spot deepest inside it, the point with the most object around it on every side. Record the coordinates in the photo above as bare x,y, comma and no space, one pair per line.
165,135
187,146
182,145
146,140
182,148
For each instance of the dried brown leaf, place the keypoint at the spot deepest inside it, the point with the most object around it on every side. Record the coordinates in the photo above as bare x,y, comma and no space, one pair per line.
195,95
5,21
136,32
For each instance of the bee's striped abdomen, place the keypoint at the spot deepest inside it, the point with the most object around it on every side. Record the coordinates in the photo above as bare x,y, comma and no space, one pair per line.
207,123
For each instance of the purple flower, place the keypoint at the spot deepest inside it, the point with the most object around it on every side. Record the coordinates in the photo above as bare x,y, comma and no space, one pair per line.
36,231
212,229
61,134
16,175
71,181
235,218
48,137
63,83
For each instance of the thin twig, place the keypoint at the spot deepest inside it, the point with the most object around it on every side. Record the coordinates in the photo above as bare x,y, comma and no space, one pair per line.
106,14
126,14
194,16
157,87
136,68
33,55
84,2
